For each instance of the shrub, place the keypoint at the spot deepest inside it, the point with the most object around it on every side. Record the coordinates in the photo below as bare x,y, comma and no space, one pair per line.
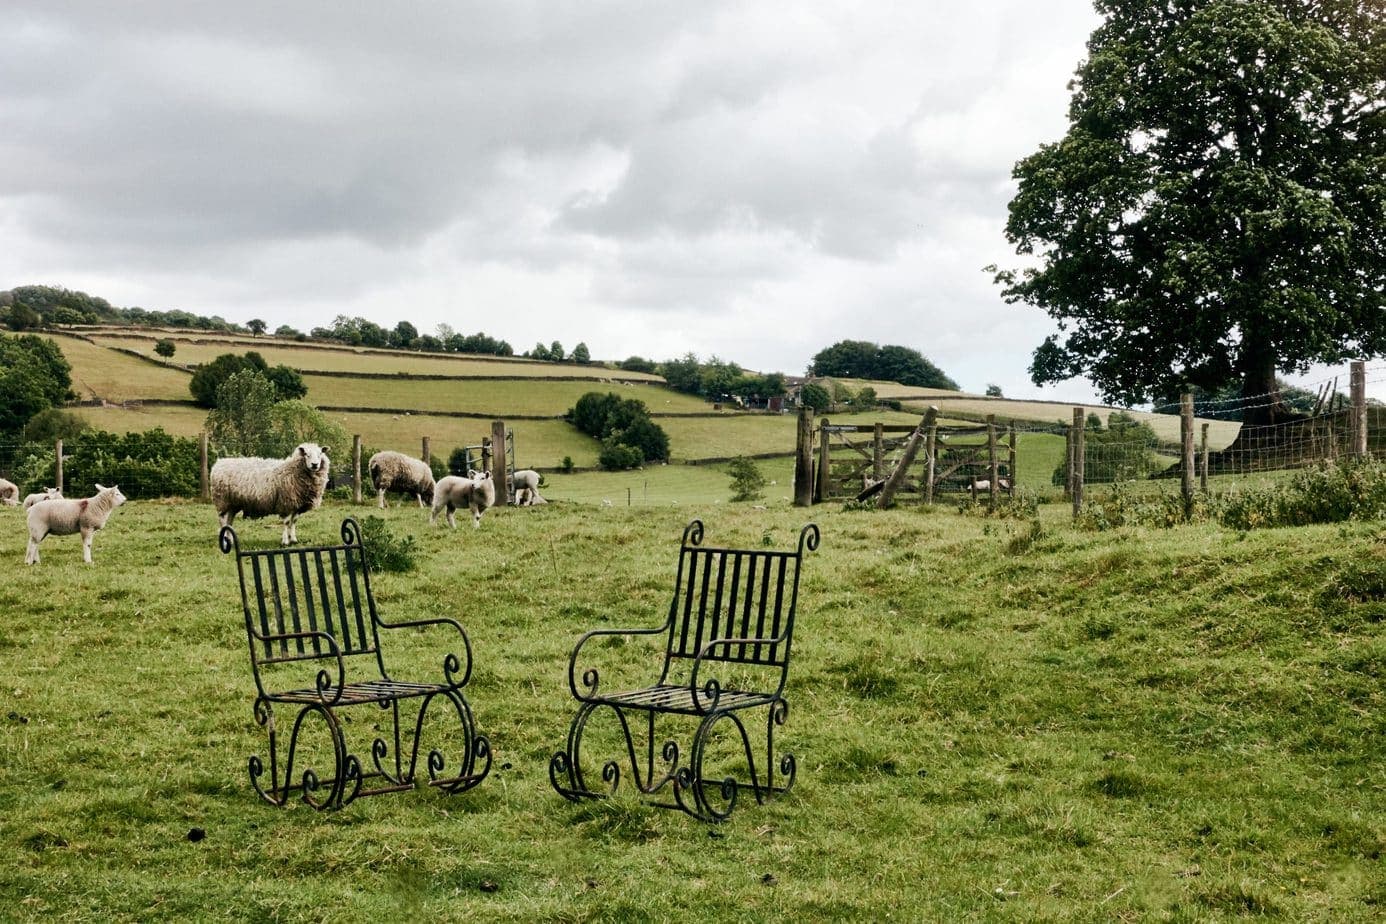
747,479
148,464
618,457
383,550
165,348
567,465
620,421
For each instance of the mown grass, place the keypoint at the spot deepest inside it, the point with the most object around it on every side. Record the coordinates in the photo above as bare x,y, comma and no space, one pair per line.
489,396
107,375
308,358
1175,725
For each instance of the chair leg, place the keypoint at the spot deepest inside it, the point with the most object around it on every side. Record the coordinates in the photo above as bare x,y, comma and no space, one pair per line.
342,785
476,749
565,767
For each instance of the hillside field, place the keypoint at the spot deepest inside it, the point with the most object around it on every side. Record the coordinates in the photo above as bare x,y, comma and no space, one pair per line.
991,723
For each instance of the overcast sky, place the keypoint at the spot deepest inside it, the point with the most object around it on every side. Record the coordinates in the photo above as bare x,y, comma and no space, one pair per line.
751,180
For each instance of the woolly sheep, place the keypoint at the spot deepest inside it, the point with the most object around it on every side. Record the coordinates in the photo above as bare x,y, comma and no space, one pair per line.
9,493
477,491
65,516
394,471
263,487
526,488
45,494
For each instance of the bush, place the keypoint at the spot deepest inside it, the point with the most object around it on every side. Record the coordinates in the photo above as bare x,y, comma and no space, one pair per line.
1325,493
567,465
145,465
620,421
617,457
55,424
383,550
747,479
165,348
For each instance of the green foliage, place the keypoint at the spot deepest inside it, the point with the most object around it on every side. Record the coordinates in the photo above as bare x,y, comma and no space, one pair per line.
637,364
34,376
1324,493
256,326
385,551
144,465
1123,451
813,395
240,424
620,422
858,359
718,380
55,424
1213,213
581,354
617,457
567,465
993,391
293,422
165,348
460,460
288,384
747,480
207,380
64,306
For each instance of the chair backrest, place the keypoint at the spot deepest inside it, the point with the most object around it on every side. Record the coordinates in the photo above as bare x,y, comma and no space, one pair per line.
322,589
735,593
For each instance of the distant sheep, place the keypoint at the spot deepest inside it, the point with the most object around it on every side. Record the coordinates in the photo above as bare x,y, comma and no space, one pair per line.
394,471
984,484
63,517
264,487
526,482
45,494
476,492
9,493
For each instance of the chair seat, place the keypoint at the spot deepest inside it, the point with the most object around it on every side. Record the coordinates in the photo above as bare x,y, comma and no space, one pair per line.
679,699
365,691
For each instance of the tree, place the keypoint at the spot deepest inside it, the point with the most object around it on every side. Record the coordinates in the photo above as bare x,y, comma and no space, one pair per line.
284,330
22,317
813,395
404,335
747,479
256,326
1214,212
288,383
34,376
581,354
293,422
556,352
165,348
618,421
241,424
858,359
54,424
636,364
206,381
994,391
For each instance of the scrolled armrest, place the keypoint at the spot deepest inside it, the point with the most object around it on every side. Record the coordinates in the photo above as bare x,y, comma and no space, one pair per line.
453,666
591,678
324,679
711,689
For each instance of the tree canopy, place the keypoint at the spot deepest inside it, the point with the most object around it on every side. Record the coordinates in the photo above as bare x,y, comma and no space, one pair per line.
206,381
858,359
34,376
1216,211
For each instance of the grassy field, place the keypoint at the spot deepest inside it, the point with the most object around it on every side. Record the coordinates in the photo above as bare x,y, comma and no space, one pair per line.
991,723
489,396
105,374
318,359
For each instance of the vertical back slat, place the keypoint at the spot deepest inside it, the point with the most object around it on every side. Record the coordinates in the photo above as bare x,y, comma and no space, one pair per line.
681,647
344,630
778,612
278,606
305,582
760,606
709,617
743,625
354,564
324,596
700,613
729,626
291,586
260,604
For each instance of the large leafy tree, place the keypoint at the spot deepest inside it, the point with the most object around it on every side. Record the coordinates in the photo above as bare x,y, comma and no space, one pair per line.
859,359
34,376
1215,211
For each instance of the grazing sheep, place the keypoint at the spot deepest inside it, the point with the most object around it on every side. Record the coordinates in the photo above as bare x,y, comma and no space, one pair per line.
63,517
477,491
526,488
281,487
9,493
45,494
394,471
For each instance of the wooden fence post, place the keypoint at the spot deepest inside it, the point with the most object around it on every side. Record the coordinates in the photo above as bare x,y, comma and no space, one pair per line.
1203,468
930,462
823,483
356,469
427,453
1358,385
897,477
803,459
203,480
498,462
1068,462
1186,451
58,465
1010,458
878,452
993,465
1079,452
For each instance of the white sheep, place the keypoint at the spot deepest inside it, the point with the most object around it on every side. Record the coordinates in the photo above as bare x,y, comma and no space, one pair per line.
477,492
37,496
394,471
263,487
65,516
526,488
9,493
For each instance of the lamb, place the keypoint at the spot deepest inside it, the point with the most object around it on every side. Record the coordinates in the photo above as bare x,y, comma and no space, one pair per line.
477,491
45,494
9,493
261,487
526,483
394,471
65,516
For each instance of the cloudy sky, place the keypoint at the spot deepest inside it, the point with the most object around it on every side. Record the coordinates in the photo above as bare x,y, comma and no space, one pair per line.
750,180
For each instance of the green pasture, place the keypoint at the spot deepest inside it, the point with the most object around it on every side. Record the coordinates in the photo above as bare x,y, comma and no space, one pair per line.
319,359
489,396
110,376
992,721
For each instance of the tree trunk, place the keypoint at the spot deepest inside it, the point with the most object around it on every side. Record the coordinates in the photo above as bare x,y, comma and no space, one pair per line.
1261,403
